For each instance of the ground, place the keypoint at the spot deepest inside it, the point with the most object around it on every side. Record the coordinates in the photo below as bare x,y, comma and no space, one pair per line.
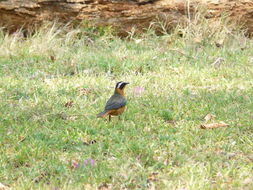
54,82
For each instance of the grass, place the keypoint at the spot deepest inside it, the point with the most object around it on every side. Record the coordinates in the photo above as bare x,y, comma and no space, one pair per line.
158,143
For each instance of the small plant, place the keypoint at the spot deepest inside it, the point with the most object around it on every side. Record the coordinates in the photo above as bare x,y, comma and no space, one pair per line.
167,115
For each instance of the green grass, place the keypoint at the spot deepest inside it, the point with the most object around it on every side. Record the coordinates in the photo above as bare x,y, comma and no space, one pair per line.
158,143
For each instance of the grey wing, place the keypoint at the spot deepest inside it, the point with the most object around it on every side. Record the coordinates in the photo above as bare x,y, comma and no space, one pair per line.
115,102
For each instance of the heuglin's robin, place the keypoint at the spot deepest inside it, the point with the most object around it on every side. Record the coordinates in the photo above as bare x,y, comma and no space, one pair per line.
116,104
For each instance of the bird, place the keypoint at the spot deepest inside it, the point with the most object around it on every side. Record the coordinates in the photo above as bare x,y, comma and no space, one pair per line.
116,104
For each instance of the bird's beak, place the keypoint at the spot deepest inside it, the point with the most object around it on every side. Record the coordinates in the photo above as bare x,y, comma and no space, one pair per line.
127,82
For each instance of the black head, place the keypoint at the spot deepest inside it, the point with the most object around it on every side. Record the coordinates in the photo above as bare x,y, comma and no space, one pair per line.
121,85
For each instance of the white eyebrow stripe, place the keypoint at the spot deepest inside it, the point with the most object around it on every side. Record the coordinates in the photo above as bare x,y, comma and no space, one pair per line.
118,86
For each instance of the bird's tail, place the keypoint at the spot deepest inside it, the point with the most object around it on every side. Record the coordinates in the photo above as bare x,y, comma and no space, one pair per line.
102,114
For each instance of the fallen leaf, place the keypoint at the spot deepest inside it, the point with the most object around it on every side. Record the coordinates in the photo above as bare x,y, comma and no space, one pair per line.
89,142
172,122
104,186
209,117
21,139
92,142
213,125
83,91
153,177
229,155
69,104
139,70
3,187
39,178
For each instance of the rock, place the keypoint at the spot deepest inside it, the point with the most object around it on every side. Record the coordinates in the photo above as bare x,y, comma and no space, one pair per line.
122,14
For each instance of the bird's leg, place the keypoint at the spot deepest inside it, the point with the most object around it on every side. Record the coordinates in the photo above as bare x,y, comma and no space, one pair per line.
109,118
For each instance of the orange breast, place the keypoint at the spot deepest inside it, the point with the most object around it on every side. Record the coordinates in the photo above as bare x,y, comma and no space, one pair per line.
117,111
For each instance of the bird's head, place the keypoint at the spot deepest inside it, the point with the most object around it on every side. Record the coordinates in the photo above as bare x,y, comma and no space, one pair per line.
119,88
121,85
